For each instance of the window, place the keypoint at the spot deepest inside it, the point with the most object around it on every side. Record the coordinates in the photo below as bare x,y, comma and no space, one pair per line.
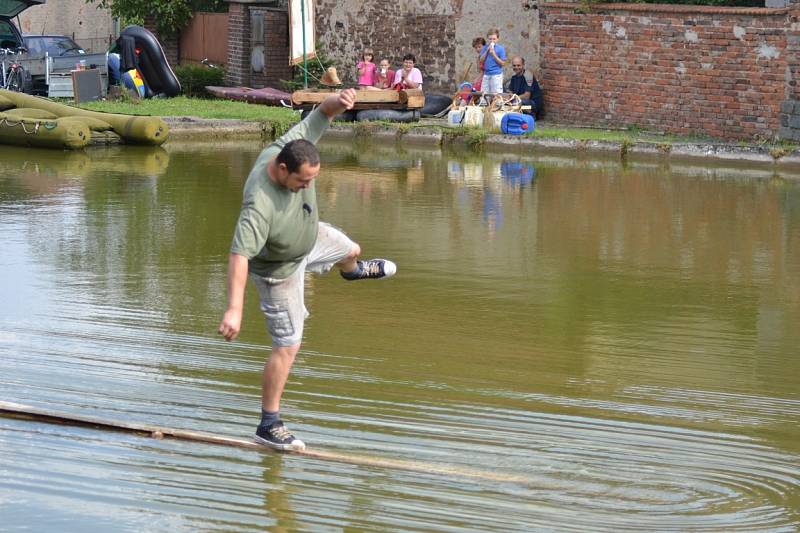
8,37
54,45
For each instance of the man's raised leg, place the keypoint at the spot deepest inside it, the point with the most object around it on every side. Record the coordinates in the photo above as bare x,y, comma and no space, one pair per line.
333,247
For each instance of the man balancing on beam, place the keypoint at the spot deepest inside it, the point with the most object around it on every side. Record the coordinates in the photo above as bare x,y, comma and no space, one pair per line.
277,239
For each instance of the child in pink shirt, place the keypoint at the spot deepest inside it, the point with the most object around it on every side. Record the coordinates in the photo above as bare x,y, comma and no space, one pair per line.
366,69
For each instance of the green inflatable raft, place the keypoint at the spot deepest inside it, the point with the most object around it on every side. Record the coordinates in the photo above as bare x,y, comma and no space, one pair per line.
33,121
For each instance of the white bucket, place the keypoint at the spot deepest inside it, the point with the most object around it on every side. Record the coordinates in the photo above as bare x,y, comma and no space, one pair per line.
473,116
455,117
492,120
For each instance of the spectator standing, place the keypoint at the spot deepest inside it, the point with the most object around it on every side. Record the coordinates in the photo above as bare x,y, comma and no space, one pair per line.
477,44
366,69
493,55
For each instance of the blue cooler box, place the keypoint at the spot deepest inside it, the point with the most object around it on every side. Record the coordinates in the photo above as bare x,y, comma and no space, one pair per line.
517,124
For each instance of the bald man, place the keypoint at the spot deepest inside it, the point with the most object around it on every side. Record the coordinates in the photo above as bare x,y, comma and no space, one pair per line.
523,83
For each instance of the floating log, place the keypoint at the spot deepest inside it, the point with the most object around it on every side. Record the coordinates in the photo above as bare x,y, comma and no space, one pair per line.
365,98
131,128
27,412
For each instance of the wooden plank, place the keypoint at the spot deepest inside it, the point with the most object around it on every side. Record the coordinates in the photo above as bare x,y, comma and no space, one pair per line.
316,97
27,412
359,107
415,101
379,96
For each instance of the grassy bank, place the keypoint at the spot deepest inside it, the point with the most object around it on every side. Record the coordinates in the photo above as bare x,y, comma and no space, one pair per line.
182,106
229,109
281,118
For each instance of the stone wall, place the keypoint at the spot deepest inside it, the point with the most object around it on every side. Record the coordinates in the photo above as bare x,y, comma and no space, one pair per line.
726,72
438,32
90,26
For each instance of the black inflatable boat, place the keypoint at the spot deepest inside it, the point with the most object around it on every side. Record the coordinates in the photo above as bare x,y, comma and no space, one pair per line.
140,46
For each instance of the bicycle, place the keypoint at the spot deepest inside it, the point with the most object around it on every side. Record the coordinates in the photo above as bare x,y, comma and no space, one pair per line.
13,74
208,64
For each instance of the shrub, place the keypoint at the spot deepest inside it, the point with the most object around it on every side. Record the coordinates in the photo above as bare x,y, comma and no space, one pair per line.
194,79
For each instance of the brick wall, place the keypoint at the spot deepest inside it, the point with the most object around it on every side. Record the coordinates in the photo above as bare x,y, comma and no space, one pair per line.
726,72
276,49
237,68
170,43
273,46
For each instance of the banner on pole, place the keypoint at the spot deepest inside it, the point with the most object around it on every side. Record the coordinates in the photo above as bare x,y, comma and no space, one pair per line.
302,31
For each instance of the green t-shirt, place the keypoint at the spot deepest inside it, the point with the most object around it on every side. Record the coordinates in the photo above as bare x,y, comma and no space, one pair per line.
277,228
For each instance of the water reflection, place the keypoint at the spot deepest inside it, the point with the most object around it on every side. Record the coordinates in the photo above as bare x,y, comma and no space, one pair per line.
490,184
623,338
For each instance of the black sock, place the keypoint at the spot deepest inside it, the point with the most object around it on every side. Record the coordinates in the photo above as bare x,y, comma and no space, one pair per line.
353,274
268,418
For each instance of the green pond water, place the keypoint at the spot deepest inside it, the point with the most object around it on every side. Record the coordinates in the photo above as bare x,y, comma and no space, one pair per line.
602,346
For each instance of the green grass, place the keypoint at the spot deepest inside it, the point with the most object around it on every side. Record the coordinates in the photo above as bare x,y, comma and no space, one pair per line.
578,134
197,107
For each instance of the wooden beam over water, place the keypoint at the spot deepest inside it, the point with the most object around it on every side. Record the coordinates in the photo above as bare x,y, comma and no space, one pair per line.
27,412
365,99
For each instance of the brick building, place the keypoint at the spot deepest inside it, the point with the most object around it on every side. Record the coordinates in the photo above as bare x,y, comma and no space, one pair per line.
258,43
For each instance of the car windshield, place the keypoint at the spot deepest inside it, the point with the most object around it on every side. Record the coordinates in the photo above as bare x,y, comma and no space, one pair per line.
55,46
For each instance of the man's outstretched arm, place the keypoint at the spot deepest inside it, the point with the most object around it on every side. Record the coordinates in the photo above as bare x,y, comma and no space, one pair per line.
314,125
237,280
338,103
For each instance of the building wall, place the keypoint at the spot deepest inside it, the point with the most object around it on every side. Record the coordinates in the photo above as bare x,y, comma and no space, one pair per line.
725,72
88,25
275,49
170,43
438,32
270,50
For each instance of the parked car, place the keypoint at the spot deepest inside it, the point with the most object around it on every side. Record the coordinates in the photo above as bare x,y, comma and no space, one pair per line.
54,45
10,38
13,74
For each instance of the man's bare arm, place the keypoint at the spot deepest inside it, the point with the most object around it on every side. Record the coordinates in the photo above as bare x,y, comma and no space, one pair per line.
338,103
237,280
